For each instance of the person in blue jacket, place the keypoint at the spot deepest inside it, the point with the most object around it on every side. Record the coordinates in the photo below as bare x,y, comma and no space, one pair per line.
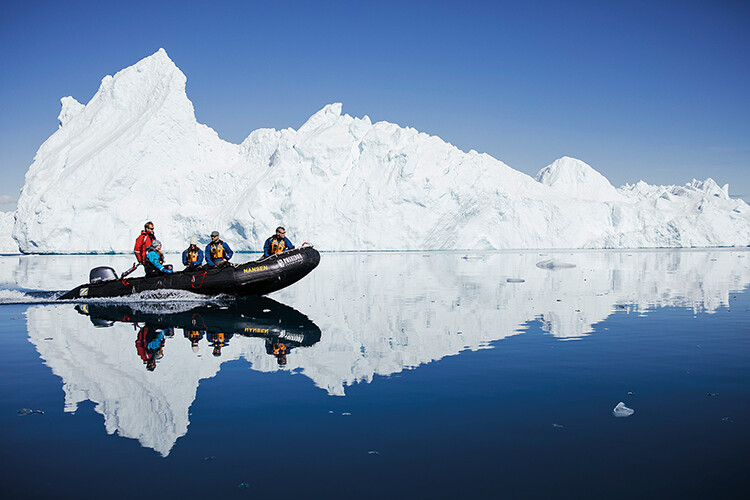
277,243
218,253
154,262
193,256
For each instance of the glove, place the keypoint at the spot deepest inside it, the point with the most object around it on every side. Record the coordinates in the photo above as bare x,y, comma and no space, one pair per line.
168,271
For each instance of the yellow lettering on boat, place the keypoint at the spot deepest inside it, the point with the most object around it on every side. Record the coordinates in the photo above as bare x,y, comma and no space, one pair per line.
254,269
83,292
256,330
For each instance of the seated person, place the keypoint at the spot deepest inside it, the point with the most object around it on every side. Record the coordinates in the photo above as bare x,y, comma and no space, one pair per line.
154,261
277,243
192,257
218,253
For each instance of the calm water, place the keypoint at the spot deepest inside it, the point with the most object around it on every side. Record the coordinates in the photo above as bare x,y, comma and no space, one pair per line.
386,375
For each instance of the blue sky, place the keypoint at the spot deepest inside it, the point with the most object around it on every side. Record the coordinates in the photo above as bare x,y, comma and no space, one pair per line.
653,90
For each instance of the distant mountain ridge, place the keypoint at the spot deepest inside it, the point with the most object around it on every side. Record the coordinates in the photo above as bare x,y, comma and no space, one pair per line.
135,152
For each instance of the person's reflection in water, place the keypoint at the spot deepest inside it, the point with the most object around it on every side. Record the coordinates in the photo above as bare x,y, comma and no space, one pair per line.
194,336
278,349
218,340
150,345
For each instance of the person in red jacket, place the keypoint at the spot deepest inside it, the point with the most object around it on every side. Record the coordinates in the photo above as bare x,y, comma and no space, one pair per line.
144,241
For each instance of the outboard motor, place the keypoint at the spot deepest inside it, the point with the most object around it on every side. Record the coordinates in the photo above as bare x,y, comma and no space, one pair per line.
102,273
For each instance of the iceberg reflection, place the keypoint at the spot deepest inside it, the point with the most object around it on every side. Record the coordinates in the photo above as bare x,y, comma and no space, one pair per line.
282,327
381,314
178,343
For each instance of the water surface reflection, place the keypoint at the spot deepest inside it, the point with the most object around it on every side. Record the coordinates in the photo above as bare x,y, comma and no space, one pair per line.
141,363
379,314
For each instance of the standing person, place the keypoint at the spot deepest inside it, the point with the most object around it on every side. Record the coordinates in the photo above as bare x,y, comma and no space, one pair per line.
277,243
218,253
192,257
144,241
154,261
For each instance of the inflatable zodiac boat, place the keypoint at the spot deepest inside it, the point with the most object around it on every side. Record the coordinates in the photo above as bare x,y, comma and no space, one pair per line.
259,277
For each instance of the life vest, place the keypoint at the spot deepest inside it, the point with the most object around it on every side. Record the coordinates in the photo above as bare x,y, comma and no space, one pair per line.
217,250
192,254
277,246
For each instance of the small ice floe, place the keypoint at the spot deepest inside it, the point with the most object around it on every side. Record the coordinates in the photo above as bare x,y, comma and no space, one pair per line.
727,419
622,411
557,426
515,280
243,485
346,413
266,310
712,394
210,457
29,411
630,393
554,264
373,452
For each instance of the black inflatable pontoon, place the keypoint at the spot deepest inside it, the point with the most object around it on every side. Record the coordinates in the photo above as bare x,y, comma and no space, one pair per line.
252,278
252,317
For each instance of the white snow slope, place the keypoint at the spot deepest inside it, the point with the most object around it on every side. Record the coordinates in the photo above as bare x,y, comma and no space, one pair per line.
7,244
135,153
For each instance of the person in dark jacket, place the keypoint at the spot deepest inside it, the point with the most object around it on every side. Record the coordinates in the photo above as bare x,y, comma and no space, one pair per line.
277,243
192,257
218,253
144,241
154,262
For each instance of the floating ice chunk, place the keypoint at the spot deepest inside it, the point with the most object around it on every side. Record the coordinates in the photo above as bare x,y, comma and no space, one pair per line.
515,280
373,452
557,426
622,411
29,411
554,264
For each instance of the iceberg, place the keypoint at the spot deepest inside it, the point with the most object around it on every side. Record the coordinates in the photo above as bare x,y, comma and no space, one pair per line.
7,244
622,411
135,153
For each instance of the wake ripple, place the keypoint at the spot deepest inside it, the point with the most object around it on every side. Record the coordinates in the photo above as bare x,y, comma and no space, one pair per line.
154,297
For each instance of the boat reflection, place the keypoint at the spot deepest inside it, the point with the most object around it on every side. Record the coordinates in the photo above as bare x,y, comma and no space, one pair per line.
283,328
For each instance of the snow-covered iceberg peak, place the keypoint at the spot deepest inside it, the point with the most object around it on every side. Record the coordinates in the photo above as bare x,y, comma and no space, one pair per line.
153,84
326,117
70,108
116,162
710,187
573,178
